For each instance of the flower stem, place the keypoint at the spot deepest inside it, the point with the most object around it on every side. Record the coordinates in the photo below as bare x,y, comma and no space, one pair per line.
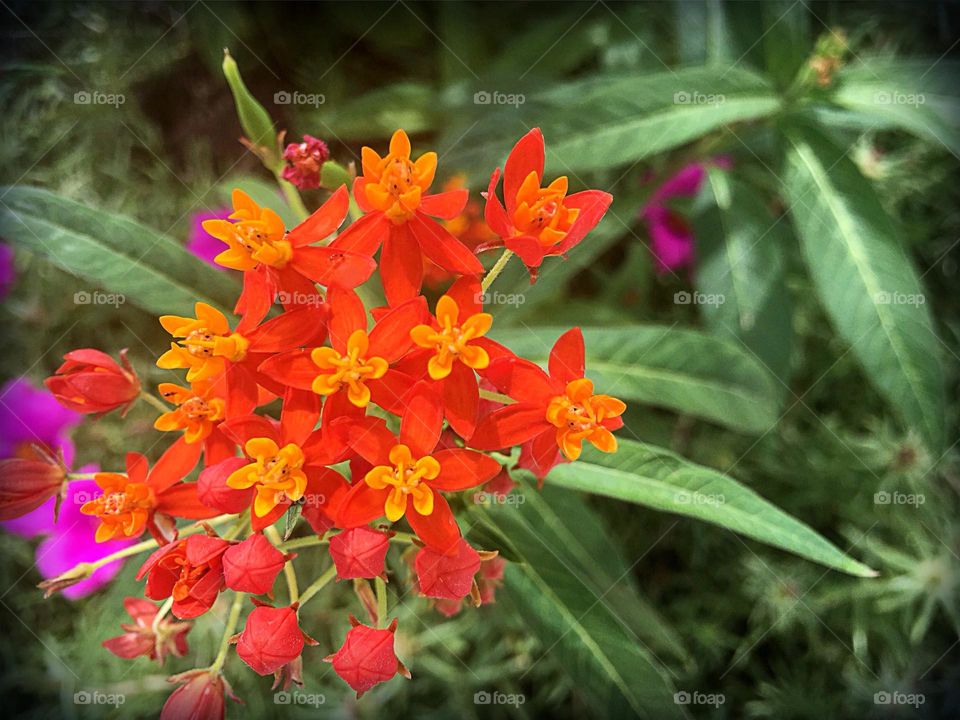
161,613
381,601
496,397
156,402
292,196
496,270
318,584
289,572
231,625
303,542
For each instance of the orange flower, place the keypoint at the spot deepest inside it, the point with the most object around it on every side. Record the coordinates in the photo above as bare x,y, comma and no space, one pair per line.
399,215
205,343
197,413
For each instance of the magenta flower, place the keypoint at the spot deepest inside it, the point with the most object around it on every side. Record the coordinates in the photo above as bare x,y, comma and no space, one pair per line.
671,238
30,416
201,243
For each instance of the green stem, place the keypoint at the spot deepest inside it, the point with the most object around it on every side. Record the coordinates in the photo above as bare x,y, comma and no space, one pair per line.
303,542
496,270
231,625
156,402
151,544
496,397
161,613
318,584
289,572
381,601
293,197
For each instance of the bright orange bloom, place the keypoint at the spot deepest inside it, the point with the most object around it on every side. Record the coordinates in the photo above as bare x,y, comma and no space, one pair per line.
399,215
205,343
197,413
409,472
451,348
133,501
555,411
538,220
273,259
468,227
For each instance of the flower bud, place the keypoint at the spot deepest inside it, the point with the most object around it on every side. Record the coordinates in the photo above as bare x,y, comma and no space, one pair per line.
200,697
271,639
359,553
367,657
213,491
447,576
26,484
191,570
141,638
304,161
92,382
252,565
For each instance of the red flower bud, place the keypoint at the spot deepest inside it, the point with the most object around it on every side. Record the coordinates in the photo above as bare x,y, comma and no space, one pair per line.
491,577
140,638
271,638
92,382
191,570
201,697
27,484
304,161
252,565
359,553
367,657
447,576
213,491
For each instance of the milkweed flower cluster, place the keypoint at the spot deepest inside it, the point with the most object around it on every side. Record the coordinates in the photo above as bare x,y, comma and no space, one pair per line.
366,423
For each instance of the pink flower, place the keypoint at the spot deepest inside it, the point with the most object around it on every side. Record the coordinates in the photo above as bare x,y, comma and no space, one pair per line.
8,272
201,243
671,238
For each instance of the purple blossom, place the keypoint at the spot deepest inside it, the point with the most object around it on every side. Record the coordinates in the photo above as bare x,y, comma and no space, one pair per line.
8,272
201,243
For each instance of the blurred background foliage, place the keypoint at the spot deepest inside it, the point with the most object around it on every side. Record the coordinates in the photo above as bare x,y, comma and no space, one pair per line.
777,636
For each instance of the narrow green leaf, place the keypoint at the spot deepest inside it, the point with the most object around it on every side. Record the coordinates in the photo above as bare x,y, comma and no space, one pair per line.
659,479
113,252
566,599
865,281
684,370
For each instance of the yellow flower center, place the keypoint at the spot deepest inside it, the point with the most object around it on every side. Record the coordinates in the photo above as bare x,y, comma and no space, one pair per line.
351,370
204,344
123,508
578,415
540,212
276,472
405,476
451,341
261,245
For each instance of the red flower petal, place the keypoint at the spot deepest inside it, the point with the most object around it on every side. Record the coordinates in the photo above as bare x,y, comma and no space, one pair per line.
422,420
567,357
390,337
361,506
364,235
593,205
442,247
299,415
292,329
359,553
174,465
213,490
522,380
183,501
493,213
445,205
401,265
511,425
526,156
463,469
333,266
294,369
252,566
439,529
461,399
448,576
323,222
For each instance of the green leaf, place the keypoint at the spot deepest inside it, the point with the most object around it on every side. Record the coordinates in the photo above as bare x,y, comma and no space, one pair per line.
575,593
741,261
918,96
865,281
661,480
254,119
114,252
633,117
684,370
